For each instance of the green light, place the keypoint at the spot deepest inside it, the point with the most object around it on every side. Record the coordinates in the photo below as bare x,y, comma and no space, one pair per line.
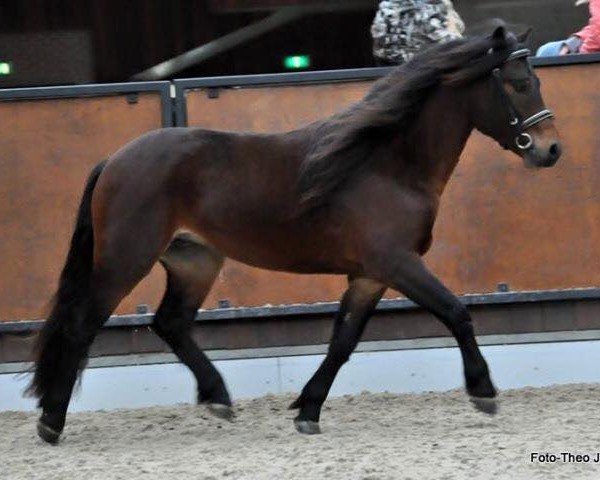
5,68
296,62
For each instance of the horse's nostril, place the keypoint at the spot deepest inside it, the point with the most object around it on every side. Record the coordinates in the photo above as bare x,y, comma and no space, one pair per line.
555,151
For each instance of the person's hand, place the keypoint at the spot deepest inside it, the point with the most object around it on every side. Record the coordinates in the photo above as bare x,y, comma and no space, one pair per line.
571,45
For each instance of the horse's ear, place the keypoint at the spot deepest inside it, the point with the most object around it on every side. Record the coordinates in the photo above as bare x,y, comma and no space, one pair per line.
524,37
499,34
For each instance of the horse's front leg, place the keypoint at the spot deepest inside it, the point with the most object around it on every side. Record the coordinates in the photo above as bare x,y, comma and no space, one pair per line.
356,307
407,274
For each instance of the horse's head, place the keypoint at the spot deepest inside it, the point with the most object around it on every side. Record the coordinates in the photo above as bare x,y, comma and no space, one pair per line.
509,107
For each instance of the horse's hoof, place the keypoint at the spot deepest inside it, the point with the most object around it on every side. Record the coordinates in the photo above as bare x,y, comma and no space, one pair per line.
307,427
488,406
47,434
221,410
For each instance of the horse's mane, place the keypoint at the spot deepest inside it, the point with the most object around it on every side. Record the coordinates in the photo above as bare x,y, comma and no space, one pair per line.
344,142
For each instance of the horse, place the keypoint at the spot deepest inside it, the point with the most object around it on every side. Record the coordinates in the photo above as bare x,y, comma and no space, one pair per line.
354,194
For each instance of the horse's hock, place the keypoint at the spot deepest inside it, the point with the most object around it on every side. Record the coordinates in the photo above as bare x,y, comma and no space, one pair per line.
498,223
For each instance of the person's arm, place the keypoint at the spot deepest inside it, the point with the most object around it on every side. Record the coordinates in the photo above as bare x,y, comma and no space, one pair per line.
571,45
590,34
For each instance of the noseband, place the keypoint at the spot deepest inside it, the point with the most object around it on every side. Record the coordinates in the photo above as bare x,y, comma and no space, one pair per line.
523,140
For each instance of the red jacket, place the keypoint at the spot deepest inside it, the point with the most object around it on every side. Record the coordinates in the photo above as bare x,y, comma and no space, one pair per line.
590,34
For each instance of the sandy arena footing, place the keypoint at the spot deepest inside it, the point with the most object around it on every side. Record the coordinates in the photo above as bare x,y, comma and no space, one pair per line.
367,436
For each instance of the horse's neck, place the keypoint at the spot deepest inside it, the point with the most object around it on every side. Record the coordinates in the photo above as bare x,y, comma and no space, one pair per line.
432,146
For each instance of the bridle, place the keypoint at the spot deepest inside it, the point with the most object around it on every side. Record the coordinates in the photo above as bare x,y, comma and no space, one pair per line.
518,126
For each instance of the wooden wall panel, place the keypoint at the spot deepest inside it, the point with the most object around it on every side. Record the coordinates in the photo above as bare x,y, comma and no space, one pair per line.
270,109
47,149
498,222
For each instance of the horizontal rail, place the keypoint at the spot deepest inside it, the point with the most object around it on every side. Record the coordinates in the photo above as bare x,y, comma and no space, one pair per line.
284,78
581,58
135,359
300,310
287,326
347,74
96,90
67,91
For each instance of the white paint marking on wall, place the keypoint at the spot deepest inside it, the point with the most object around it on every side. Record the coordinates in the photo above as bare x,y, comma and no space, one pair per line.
404,371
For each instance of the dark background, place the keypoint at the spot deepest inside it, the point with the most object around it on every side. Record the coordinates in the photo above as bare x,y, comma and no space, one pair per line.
75,41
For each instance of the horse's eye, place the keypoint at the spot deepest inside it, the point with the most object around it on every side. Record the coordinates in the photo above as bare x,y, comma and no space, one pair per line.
522,86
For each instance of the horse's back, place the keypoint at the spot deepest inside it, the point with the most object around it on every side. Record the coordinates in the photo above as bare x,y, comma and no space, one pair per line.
232,189
200,160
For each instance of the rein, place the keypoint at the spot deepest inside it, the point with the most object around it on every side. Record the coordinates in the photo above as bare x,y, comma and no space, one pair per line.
523,140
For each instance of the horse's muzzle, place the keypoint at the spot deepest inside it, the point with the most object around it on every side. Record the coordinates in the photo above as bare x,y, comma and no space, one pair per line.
543,157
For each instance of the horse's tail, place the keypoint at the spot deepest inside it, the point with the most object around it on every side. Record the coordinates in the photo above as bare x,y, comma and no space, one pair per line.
51,350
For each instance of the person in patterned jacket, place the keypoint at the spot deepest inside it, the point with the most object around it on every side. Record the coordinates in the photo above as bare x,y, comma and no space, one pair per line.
403,27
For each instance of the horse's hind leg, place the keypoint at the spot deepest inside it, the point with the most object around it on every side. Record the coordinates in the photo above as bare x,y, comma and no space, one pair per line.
356,308
103,264
191,270
72,328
